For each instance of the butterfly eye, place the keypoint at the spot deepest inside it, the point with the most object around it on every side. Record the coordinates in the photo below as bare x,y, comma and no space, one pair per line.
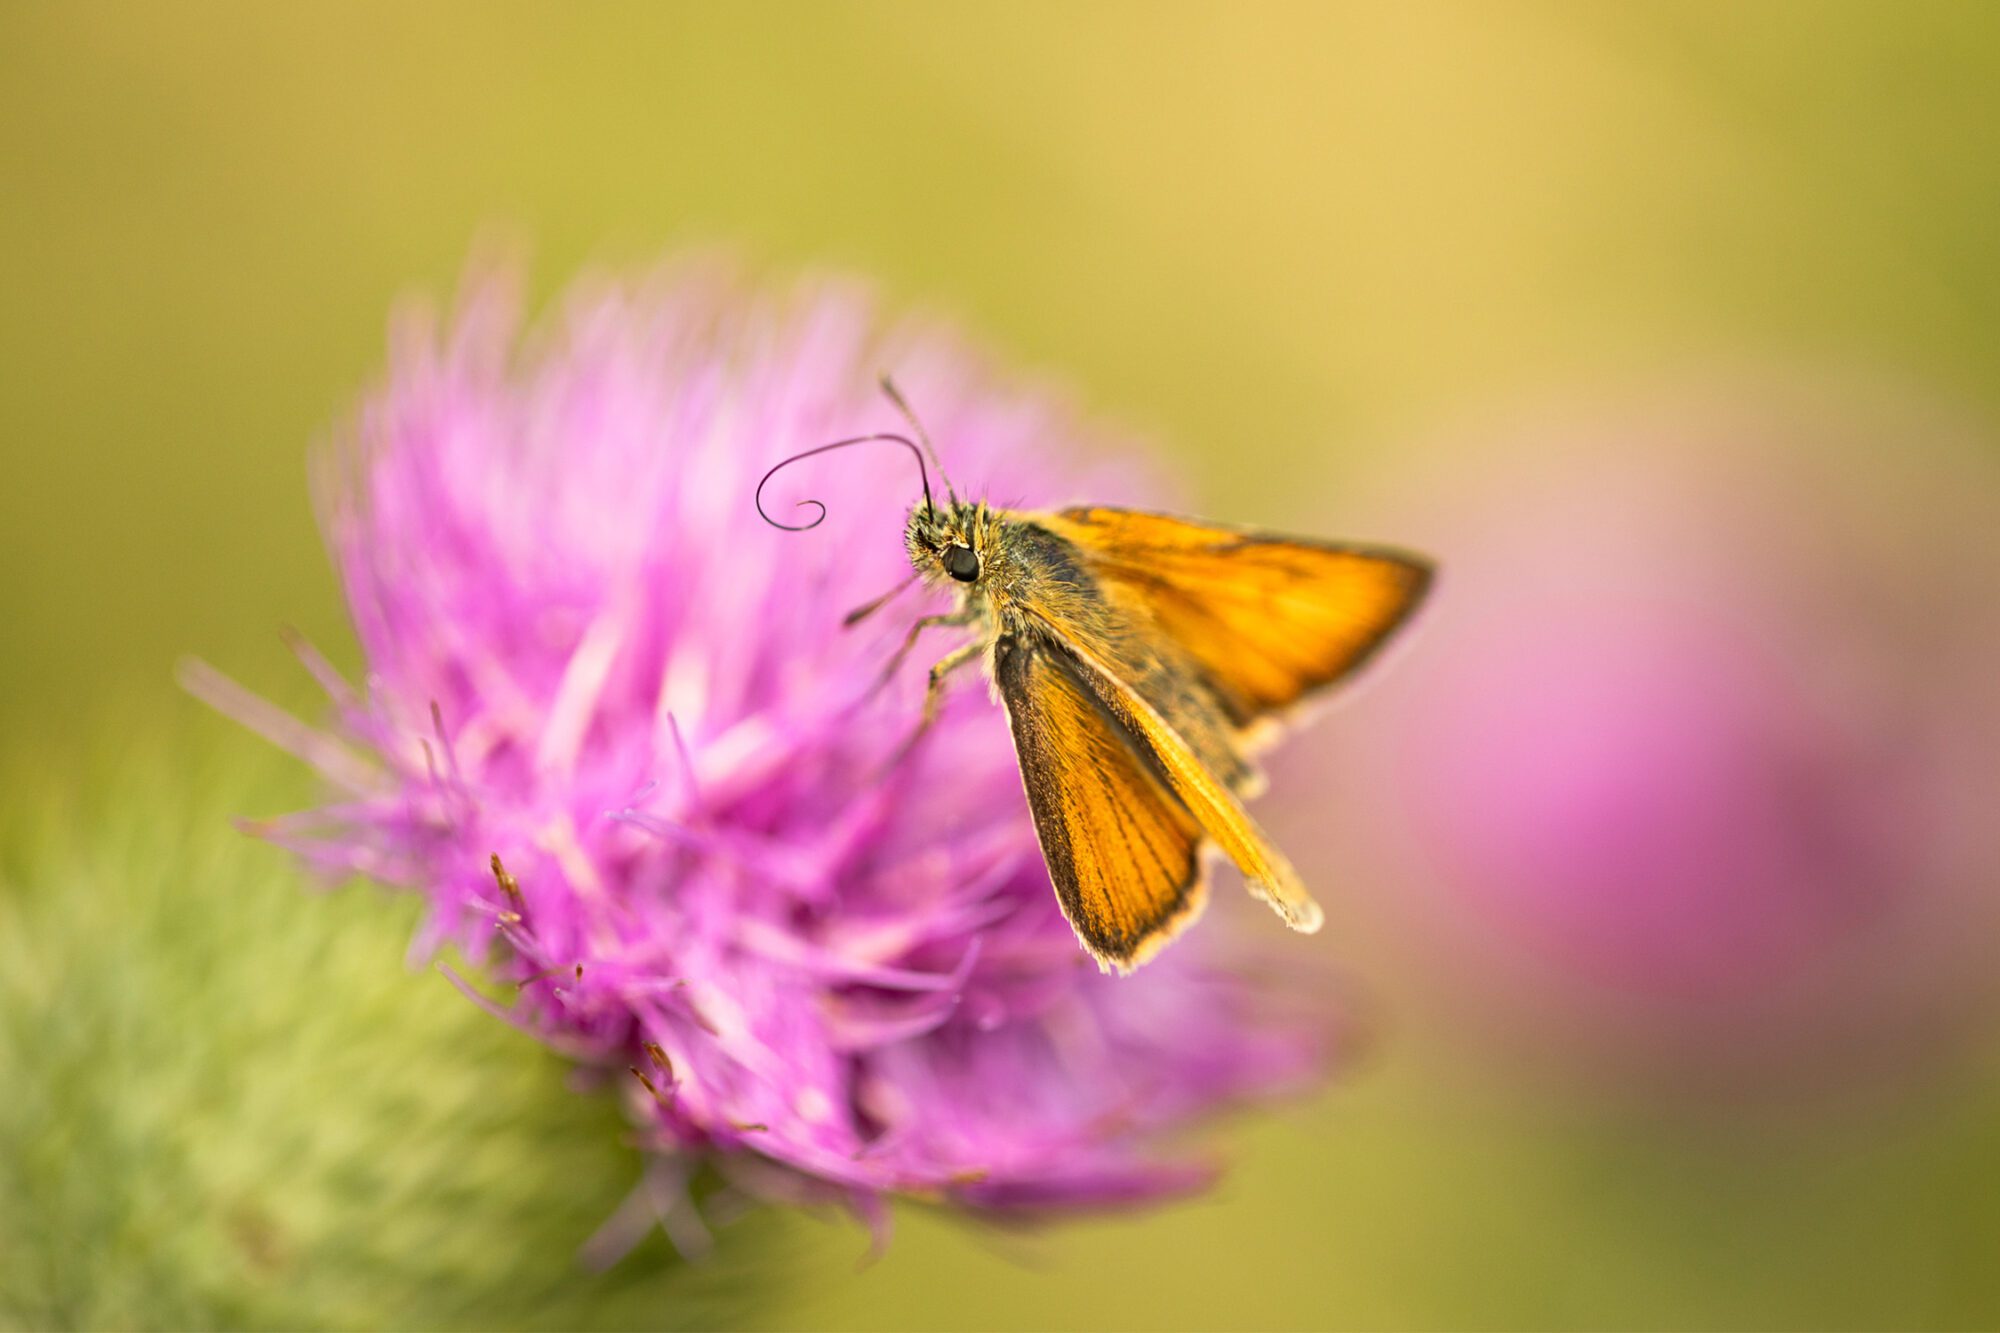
961,563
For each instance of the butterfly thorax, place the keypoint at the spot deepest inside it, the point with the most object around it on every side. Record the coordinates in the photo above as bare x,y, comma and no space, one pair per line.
1010,571
1032,586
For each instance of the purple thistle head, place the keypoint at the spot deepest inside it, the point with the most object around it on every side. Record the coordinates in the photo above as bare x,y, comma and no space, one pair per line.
588,657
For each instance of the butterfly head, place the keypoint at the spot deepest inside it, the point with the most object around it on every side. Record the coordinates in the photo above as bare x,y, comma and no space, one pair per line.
949,543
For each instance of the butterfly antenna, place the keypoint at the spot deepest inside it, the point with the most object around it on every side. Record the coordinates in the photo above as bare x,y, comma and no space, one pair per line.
903,406
916,453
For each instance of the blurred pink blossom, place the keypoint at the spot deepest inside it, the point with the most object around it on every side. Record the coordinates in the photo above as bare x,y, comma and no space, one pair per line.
586,654
1695,780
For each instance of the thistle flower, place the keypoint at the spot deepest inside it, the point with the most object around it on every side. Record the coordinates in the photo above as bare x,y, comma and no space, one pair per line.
593,671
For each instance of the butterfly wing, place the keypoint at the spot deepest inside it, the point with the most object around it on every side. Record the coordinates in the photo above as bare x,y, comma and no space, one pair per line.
1123,852
1115,791
1266,619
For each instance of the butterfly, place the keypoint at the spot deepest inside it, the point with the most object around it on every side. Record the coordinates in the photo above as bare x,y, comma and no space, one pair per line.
1143,661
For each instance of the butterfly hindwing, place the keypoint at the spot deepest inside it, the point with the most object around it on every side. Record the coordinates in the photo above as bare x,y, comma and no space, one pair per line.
1123,851
1266,619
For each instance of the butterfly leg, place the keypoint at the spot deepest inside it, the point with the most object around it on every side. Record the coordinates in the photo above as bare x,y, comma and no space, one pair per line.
934,688
963,655
867,609
960,617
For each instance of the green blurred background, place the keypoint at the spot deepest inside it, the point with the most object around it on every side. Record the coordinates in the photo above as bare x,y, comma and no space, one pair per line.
1279,238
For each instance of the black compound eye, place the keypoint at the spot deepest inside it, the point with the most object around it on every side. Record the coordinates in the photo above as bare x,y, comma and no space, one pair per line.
961,563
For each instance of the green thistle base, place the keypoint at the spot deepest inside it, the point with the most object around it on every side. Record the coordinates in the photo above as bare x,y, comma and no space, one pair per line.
229,1103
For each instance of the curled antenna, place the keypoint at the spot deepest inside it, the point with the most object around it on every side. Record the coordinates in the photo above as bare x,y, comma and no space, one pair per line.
896,397
916,453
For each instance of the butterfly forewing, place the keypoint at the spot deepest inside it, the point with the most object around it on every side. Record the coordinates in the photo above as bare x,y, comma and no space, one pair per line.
1267,619
1195,785
1123,852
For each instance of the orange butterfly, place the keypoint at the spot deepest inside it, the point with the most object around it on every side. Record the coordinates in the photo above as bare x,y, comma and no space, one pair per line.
1142,658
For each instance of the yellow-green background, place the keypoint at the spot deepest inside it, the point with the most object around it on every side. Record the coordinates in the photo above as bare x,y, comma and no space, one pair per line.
1276,236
